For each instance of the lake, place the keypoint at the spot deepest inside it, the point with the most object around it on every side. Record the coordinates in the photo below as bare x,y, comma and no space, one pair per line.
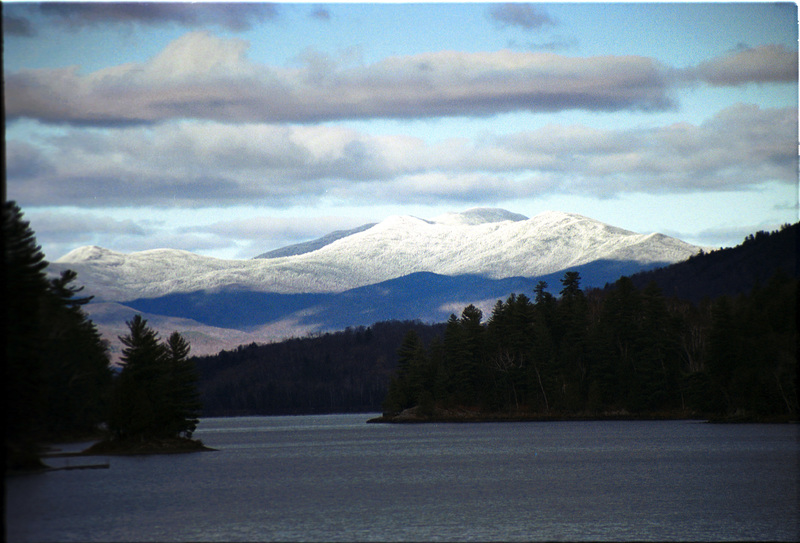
334,477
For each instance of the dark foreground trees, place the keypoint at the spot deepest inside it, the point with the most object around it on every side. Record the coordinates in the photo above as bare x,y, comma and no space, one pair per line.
56,369
58,383
155,395
619,352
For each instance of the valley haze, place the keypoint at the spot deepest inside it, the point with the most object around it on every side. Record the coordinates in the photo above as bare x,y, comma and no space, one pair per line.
403,268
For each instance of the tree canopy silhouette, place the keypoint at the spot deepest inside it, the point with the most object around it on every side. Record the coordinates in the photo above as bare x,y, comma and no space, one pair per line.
618,352
155,394
57,376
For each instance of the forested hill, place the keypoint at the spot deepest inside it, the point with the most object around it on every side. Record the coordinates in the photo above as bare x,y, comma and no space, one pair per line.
340,372
351,371
730,271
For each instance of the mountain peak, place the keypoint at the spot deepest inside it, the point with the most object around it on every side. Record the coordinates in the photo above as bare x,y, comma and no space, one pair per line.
86,253
479,215
558,216
492,243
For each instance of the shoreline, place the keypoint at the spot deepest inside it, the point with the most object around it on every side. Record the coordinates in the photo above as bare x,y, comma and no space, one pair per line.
145,447
412,416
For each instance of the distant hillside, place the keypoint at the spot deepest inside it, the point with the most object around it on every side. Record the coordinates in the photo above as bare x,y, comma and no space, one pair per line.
492,243
403,268
351,370
347,371
730,271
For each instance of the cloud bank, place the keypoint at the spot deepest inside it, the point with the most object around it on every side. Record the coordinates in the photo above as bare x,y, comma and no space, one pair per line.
232,16
202,76
210,164
522,15
764,64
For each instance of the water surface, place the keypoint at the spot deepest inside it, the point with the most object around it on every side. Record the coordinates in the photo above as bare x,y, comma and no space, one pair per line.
334,477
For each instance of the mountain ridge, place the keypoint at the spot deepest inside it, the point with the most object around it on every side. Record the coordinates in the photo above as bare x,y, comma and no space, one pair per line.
347,359
403,267
493,243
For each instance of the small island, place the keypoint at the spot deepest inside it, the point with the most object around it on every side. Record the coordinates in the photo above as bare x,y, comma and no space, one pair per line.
170,445
59,383
156,404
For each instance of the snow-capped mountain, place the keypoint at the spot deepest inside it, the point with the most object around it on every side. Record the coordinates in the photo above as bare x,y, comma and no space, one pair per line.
491,243
401,268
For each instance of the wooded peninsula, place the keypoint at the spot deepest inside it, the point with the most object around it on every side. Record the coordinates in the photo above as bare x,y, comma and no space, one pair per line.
652,345
714,337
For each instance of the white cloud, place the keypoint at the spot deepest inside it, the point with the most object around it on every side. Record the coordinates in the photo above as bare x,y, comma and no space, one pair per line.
207,164
66,225
763,64
270,230
203,76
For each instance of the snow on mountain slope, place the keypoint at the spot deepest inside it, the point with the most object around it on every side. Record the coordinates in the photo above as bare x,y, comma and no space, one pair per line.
549,242
479,215
309,246
490,242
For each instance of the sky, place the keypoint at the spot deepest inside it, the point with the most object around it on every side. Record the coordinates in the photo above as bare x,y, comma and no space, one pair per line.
232,129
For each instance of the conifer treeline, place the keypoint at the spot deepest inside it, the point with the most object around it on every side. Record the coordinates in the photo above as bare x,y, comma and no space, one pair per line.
58,381
57,378
622,350
155,394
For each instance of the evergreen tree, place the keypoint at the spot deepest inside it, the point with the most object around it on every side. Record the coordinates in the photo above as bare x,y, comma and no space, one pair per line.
543,353
509,343
455,352
413,376
620,348
156,392
183,398
24,286
77,374
56,364
571,338
471,367
724,349
660,366
140,388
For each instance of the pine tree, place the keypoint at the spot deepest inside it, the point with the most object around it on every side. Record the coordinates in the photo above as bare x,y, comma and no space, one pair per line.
156,393
56,364
24,286
77,374
183,398
471,366
571,338
411,379
140,388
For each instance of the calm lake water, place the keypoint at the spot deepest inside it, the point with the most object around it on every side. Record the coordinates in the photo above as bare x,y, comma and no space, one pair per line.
335,477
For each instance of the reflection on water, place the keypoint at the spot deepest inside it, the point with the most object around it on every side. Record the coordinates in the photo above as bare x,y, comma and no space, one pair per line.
325,478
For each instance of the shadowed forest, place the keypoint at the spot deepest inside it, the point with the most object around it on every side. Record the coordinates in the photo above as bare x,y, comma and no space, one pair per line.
618,351
627,348
59,384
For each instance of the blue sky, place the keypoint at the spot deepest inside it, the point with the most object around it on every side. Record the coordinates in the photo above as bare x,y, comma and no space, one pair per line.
232,129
